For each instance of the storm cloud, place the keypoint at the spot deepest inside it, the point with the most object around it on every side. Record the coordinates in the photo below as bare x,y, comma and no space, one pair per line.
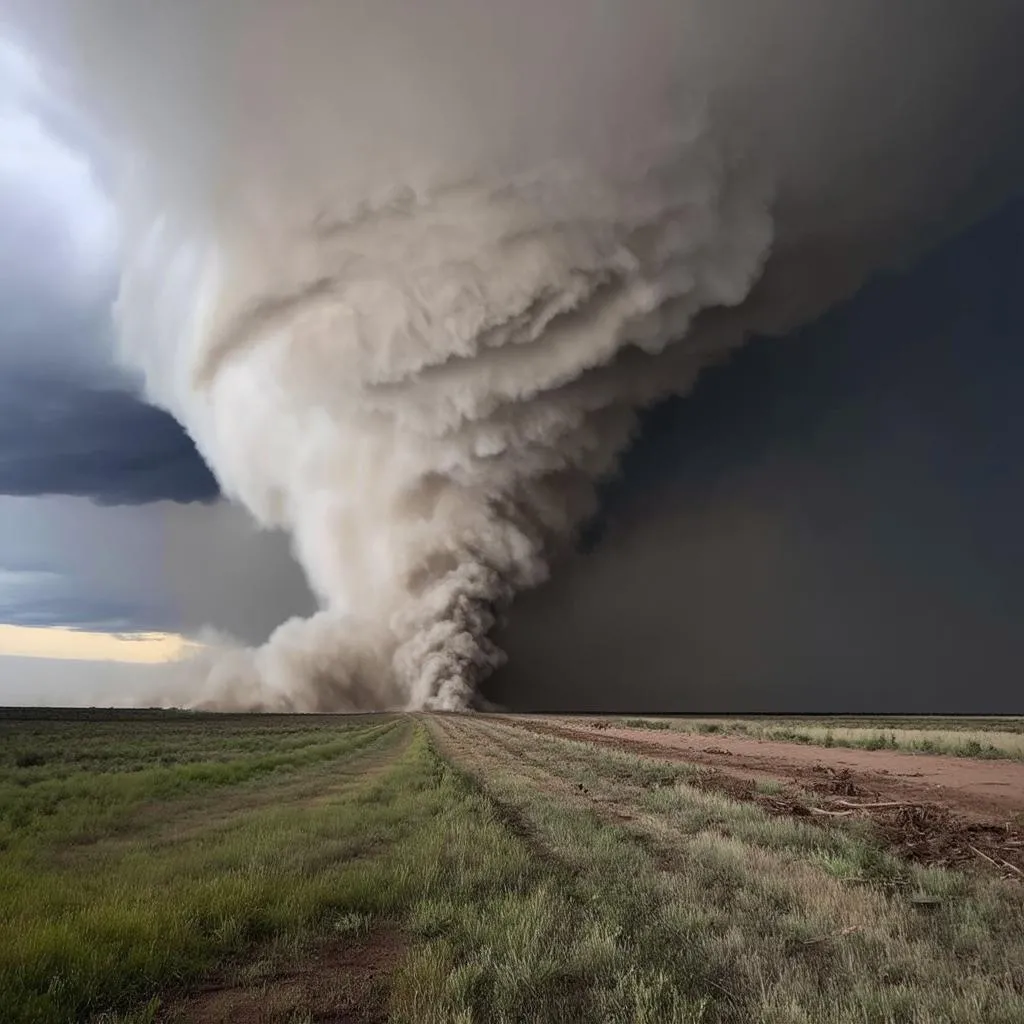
109,519
163,566
70,419
57,437
828,523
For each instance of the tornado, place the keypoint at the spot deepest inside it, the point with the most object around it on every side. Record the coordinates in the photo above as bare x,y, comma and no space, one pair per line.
407,271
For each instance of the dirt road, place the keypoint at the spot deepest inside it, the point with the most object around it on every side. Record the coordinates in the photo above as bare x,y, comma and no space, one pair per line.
978,789
928,808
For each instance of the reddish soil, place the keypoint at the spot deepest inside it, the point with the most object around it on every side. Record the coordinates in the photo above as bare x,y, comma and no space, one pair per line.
935,809
341,983
980,789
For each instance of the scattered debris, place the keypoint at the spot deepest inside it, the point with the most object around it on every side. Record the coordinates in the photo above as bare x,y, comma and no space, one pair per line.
819,939
838,781
997,861
871,806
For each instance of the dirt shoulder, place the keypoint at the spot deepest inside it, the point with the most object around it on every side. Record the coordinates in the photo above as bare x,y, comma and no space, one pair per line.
954,812
977,789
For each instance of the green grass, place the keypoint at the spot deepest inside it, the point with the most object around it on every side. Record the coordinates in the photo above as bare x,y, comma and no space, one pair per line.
962,737
751,917
101,902
524,878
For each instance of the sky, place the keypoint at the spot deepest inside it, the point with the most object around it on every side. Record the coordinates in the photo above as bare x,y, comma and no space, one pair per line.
830,522
113,541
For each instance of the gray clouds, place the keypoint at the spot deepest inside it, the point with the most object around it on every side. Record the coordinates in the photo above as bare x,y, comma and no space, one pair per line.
420,384
162,566
49,598
69,423
830,523
814,554
57,242
59,437
75,438
42,682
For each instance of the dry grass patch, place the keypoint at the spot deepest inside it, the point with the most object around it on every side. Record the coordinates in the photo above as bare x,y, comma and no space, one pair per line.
750,917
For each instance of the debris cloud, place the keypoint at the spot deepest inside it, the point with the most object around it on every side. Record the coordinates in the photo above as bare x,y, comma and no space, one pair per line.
407,271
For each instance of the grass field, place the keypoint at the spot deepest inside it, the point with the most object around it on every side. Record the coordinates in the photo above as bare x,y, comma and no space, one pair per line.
454,868
995,737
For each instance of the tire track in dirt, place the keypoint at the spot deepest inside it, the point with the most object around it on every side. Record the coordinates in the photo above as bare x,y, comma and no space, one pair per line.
456,740
339,981
459,742
354,769
615,803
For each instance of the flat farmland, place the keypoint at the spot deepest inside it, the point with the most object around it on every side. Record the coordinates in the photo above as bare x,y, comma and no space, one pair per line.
428,868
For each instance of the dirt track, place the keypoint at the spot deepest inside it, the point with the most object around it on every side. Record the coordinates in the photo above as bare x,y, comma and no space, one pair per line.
977,789
929,808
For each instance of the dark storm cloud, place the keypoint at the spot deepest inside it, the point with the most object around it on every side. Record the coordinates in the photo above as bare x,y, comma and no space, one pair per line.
44,595
69,423
58,437
829,523
108,517
161,566
82,612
